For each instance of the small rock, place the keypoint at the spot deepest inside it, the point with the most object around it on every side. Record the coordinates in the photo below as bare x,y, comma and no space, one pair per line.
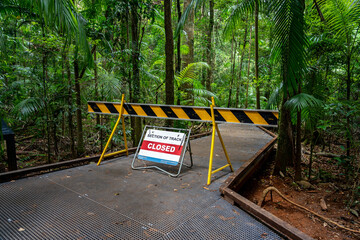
323,204
305,184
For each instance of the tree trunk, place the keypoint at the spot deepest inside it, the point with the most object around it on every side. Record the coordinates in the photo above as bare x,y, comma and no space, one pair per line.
257,55
233,59
209,48
178,44
98,122
248,72
284,153
186,87
79,130
297,163
169,54
69,103
348,89
135,68
240,66
46,109
189,38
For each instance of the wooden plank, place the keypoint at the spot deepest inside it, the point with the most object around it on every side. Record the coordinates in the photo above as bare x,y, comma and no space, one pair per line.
265,217
234,183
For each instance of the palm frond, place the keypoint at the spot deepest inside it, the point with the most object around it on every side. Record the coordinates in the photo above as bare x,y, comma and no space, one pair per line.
158,29
189,72
302,101
193,6
237,13
342,17
290,41
275,98
28,107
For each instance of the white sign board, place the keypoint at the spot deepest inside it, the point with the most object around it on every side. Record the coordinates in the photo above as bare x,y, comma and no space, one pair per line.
162,146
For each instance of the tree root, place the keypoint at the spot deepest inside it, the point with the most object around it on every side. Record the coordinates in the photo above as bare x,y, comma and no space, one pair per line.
265,192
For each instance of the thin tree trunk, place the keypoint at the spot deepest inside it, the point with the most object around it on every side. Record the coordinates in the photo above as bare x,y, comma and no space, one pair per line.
233,60
69,103
187,59
348,89
46,109
135,67
169,54
297,163
257,55
240,66
189,39
98,122
209,48
178,44
248,72
79,130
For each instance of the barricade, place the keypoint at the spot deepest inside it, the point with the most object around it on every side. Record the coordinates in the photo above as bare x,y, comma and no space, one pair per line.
211,114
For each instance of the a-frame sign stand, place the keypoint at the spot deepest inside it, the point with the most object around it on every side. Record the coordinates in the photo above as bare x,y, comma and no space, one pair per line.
215,128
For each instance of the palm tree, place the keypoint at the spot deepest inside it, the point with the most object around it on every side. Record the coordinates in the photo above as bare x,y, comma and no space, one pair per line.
289,48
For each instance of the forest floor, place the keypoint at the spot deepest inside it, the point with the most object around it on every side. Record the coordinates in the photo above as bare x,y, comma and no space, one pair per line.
327,184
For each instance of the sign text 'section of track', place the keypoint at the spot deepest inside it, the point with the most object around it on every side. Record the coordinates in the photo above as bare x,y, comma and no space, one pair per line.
231,115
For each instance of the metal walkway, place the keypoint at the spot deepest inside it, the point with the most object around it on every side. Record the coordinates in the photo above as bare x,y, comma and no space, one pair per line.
113,201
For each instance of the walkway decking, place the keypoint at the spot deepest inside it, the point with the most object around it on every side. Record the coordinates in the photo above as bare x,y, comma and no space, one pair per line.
113,201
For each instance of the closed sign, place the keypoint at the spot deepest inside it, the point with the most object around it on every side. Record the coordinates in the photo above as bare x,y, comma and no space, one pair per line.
162,146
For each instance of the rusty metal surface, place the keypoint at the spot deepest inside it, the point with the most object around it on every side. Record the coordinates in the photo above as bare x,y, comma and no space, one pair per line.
114,202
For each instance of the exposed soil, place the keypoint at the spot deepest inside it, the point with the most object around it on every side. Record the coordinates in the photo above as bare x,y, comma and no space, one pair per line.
331,190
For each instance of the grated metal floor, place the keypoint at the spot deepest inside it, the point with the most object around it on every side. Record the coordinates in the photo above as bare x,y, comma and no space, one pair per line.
114,202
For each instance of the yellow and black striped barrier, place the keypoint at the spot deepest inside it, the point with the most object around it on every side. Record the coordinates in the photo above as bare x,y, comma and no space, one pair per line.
231,115
208,114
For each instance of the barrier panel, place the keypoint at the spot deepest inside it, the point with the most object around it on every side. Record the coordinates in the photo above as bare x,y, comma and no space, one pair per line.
165,146
211,114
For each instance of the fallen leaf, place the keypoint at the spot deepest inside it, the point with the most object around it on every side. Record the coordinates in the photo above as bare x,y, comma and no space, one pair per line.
236,212
148,235
206,188
354,212
169,212
116,194
21,230
226,219
109,235
264,235
175,190
12,181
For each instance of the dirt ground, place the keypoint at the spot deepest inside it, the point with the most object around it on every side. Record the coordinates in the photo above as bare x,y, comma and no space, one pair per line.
310,198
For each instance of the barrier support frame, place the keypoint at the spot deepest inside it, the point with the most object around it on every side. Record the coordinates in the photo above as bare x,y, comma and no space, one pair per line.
103,155
215,128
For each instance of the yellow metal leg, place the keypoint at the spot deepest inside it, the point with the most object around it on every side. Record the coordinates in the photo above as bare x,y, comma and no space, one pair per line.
124,133
211,153
223,146
113,131
215,128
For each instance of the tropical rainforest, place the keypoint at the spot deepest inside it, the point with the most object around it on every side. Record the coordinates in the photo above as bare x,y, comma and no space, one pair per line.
298,56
